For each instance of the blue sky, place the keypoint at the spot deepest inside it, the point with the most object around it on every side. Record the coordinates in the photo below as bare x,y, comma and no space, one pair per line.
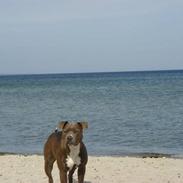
61,36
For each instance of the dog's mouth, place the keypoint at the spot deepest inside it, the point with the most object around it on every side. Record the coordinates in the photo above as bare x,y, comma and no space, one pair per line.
73,142
70,143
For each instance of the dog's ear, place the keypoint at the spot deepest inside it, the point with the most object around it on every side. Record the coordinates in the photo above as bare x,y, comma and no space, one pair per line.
83,124
62,124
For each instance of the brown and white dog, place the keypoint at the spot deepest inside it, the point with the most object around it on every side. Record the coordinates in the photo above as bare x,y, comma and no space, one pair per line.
66,147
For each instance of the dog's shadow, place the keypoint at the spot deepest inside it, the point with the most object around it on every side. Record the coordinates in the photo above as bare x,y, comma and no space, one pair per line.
84,181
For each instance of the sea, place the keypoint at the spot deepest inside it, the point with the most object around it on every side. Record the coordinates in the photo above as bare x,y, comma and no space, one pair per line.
128,112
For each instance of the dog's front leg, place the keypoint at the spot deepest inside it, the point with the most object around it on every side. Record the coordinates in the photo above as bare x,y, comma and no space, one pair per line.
63,171
81,173
71,172
63,176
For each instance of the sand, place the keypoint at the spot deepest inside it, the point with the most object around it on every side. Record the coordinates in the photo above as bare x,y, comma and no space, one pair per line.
29,169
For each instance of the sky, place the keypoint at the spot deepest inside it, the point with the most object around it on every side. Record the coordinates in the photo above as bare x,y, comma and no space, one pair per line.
66,36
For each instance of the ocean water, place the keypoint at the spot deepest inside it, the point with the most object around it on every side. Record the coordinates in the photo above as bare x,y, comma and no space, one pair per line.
127,112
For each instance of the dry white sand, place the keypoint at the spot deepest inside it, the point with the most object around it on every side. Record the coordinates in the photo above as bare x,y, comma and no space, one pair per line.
29,169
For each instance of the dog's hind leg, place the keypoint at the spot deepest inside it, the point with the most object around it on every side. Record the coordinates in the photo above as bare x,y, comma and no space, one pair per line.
48,169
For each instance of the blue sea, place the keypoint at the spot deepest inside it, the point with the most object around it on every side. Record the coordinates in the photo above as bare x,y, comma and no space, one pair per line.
128,112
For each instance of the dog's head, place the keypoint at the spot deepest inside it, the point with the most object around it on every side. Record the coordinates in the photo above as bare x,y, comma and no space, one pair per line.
72,133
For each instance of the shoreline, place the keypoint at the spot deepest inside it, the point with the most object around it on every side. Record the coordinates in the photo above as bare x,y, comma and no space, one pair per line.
131,155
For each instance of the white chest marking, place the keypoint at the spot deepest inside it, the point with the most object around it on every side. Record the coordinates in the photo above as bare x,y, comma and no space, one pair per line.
73,157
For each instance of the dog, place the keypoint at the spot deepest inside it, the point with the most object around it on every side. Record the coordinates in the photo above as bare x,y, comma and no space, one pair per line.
67,148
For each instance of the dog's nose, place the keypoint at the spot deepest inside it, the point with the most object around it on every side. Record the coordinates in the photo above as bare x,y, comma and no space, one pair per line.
70,138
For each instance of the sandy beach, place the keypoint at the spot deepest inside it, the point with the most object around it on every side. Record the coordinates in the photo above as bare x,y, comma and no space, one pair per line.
29,169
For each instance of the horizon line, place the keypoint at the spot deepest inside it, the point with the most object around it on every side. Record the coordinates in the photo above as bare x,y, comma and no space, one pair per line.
91,72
